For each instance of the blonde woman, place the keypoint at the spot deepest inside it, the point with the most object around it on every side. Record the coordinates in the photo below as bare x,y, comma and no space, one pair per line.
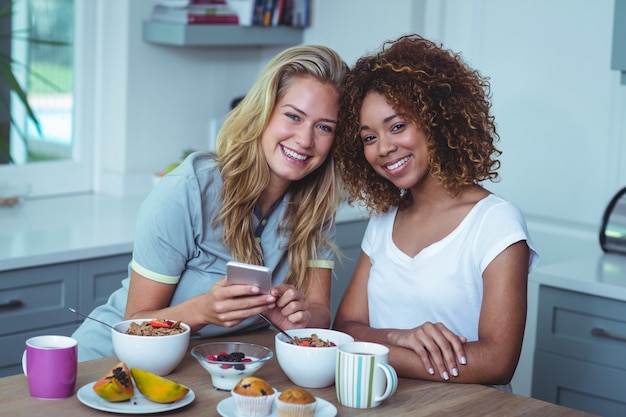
268,197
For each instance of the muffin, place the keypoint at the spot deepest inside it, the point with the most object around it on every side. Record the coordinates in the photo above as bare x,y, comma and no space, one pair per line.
296,402
253,397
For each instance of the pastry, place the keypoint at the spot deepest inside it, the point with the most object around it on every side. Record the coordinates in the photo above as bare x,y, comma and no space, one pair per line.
253,397
296,402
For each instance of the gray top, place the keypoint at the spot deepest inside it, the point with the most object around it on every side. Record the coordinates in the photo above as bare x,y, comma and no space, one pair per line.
177,243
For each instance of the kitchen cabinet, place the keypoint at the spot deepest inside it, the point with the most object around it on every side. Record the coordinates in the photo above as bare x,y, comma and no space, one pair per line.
35,301
177,34
579,354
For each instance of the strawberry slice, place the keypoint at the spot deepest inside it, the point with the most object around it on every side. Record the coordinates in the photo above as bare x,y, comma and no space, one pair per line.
159,323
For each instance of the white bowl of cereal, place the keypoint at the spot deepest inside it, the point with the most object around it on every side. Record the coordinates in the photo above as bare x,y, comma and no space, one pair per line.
311,364
154,345
228,362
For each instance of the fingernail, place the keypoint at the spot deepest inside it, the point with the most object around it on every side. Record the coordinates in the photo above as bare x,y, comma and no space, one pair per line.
431,371
445,376
463,360
455,372
270,299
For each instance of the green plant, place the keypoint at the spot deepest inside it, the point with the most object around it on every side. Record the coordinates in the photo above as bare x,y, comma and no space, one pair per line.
9,81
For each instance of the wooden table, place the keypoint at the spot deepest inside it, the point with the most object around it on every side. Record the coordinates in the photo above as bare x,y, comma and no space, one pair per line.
414,397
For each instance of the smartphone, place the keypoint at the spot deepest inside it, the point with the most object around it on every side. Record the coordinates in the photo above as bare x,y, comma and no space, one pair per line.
248,274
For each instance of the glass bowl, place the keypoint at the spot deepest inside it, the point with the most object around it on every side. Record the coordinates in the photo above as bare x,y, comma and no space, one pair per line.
228,362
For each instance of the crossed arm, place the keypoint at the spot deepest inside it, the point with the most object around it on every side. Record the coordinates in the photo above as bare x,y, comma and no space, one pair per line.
431,351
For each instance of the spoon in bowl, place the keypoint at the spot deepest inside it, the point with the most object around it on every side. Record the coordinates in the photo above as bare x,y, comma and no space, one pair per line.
291,339
91,318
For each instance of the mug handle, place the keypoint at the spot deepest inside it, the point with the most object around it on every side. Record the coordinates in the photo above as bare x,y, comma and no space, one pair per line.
392,381
24,363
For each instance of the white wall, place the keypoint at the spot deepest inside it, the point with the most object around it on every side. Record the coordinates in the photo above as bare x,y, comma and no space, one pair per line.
558,105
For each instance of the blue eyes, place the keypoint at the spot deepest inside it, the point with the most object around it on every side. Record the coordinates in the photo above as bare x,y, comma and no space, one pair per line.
292,116
297,118
325,128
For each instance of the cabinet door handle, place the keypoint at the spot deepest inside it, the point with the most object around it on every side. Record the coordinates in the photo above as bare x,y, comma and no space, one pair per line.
11,305
596,331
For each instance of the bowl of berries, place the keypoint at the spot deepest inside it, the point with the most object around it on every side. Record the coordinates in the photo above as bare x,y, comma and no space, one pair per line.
228,362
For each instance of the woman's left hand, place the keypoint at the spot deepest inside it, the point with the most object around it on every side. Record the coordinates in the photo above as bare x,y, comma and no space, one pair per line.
292,311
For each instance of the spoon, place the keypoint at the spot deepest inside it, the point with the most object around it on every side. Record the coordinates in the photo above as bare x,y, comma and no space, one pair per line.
91,318
291,339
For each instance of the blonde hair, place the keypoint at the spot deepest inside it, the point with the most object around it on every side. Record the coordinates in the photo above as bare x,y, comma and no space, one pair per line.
245,172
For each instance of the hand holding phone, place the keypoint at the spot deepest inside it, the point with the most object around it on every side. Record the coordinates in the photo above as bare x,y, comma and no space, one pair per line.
248,274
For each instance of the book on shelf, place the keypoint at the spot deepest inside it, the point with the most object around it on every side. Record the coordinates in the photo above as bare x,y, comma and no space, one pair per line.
301,13
279,7
264,13
205,13
281,13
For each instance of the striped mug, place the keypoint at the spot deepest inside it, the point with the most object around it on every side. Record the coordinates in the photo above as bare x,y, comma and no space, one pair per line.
363,378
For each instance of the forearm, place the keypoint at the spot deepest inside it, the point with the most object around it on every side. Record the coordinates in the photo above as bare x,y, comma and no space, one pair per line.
485,365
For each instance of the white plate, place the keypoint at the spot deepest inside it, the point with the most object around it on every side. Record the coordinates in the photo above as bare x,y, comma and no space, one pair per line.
136,405
226,408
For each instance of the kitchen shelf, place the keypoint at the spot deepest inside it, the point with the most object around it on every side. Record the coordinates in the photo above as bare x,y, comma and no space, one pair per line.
178,34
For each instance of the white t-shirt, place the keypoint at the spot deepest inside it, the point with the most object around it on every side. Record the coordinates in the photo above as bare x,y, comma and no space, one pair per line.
443,283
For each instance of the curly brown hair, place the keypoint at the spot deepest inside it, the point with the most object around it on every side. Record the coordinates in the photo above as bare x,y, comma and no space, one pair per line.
433,88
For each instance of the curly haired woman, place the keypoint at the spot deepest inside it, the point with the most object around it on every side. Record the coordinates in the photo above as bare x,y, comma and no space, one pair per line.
268,197
444,263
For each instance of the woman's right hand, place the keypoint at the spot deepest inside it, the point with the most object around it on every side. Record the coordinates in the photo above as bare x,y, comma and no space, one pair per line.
223,305
228,305
439,349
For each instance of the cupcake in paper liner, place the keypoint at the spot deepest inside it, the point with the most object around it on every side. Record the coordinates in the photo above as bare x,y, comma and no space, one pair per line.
253,397
296,402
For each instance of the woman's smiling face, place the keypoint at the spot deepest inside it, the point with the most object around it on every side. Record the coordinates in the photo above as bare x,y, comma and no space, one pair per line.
301,130
395,148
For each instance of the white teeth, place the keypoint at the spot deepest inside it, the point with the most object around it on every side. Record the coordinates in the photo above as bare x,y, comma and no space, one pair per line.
293,154
398,164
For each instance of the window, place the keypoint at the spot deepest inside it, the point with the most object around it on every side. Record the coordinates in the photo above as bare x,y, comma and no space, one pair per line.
59,160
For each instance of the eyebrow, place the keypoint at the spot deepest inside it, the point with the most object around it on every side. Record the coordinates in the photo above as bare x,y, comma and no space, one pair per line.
385,120
323,119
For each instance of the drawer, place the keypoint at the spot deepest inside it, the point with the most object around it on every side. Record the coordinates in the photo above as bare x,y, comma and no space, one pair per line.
38,297
585,386
568,322
13,347
98,278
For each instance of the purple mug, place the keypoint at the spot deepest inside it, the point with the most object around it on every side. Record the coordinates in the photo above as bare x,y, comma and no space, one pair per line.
50,364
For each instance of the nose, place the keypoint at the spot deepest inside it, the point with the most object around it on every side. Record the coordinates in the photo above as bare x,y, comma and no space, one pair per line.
386,145
305,136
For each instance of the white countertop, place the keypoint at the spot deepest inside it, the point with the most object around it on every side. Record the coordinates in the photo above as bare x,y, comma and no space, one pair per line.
70,228
600,274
